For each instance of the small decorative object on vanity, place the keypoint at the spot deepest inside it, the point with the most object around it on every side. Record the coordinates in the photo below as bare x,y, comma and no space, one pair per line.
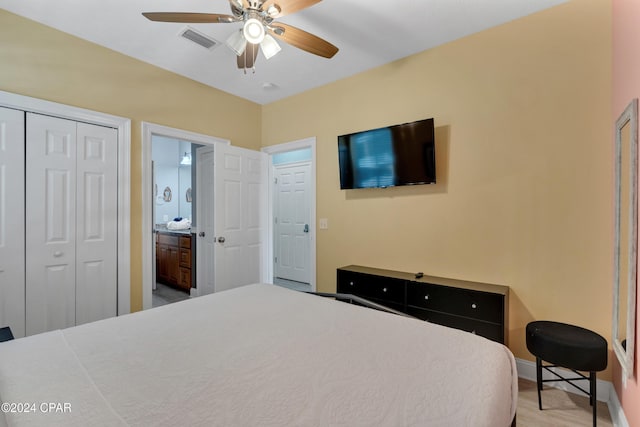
479,308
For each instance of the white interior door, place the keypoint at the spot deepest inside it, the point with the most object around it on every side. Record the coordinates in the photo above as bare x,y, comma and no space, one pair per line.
12,261
205,246
154,191
97,224
71,223
292,219
240,216
50,224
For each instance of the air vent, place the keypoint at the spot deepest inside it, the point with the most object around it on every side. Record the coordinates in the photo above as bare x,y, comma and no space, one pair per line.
199,38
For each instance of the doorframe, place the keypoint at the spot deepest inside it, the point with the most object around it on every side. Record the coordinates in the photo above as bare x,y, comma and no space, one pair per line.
282,148
148,130
123,127
201,243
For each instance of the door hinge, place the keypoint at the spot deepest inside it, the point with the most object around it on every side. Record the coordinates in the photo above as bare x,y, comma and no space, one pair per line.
276,260
275,180
275,220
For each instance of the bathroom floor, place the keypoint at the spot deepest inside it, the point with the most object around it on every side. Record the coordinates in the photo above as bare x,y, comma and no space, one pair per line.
164,294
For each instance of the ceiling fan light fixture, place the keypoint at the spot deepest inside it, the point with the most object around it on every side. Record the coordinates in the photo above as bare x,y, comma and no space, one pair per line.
253,31
269,46
273,10
237,43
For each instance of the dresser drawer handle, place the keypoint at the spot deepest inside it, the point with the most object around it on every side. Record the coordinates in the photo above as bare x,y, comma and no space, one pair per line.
384,289
474,306
350,283
426,297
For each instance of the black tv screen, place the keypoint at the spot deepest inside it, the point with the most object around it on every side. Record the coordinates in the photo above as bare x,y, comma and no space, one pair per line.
387,157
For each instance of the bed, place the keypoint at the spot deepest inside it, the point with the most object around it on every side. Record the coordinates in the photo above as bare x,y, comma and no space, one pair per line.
258,355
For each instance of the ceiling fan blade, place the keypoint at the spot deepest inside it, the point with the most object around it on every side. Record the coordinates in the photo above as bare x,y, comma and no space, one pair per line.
303,40
248,58
287,7
193,18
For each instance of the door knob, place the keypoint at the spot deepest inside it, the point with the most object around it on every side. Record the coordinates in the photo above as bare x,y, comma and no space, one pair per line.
57,254
306,228
221,239
201,234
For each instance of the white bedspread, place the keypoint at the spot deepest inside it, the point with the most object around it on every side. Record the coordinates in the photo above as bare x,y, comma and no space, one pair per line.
260,355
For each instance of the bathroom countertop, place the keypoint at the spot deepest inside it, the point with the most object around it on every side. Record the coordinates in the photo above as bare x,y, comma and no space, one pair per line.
163,229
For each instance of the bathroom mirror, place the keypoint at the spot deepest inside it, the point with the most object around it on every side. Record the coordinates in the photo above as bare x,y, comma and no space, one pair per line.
625,240
172,170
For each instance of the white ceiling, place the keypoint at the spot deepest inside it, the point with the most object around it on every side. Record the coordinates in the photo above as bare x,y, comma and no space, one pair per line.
368,33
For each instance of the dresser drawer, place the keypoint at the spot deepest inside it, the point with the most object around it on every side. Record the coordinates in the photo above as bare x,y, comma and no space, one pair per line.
491,331
378,288
462,302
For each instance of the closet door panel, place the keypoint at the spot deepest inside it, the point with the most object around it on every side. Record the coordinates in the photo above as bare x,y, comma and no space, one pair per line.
97,210
12,250
50,189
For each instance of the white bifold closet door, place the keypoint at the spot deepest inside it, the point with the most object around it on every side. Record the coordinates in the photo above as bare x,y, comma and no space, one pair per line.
12,220
71,221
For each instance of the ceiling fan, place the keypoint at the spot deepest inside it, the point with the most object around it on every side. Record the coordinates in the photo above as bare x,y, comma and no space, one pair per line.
258,29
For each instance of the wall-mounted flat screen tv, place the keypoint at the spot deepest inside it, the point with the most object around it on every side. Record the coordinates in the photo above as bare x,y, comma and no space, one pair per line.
387,157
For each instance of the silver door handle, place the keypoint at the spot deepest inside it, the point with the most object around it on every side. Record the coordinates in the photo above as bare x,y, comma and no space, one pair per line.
306,228
221,239
201,234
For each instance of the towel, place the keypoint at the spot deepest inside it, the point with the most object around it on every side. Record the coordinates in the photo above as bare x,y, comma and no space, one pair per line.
184,224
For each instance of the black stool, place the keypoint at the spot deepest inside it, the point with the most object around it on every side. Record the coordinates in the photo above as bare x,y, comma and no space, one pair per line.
571,347
5,334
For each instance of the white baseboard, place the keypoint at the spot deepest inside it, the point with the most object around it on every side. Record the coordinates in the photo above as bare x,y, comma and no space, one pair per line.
615,409
604,389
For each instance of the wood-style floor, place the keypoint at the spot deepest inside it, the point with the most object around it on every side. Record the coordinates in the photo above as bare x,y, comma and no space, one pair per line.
560,408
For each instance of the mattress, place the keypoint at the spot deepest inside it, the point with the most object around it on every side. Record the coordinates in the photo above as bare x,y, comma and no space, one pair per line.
258,355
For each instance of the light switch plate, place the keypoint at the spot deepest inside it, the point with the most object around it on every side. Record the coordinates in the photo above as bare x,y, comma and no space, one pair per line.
324,223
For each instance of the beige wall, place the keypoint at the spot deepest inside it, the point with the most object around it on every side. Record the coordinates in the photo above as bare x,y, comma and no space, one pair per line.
626,86
40,62
524,193
523,137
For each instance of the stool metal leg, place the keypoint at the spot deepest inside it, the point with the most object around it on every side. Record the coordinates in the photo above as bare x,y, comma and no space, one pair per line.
539,380
594,401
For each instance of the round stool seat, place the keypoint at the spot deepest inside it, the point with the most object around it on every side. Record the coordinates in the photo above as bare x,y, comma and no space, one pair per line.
566,345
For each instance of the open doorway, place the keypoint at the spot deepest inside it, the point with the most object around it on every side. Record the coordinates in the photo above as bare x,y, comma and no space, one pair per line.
291,218
173,199
292,205
149,133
